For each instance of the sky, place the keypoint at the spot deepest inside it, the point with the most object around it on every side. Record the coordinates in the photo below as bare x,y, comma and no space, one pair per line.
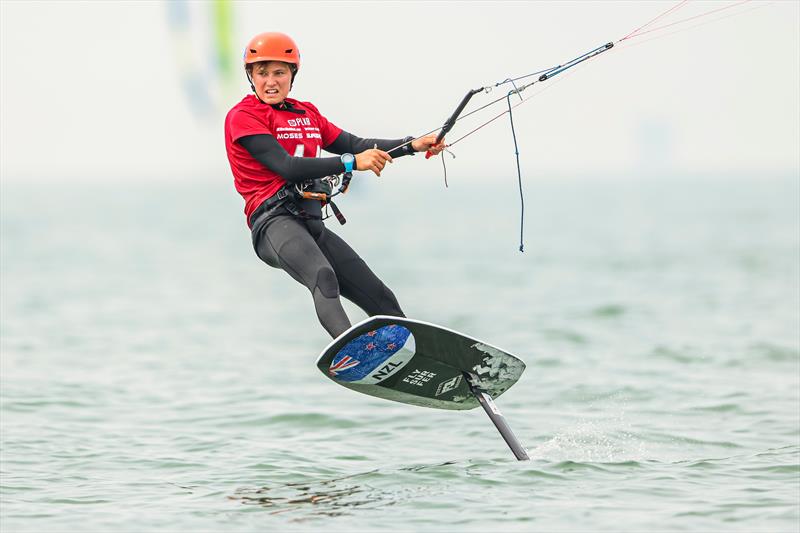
99,90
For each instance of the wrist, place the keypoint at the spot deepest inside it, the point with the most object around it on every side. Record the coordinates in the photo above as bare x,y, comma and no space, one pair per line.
409,148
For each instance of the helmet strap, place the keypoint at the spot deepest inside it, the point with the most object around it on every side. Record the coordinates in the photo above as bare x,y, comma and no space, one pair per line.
253,87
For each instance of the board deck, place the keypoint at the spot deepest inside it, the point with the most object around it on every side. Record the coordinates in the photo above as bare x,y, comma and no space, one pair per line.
418,363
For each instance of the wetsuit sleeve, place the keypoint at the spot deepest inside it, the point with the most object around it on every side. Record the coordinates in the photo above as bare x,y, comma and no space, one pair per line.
267,151
347,143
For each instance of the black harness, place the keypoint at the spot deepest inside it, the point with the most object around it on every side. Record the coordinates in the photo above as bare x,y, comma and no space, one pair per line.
289,195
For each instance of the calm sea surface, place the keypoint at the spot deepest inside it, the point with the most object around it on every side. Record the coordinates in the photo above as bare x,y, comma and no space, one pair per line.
156,376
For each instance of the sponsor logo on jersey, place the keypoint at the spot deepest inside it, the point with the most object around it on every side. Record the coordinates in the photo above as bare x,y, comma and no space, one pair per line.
299,122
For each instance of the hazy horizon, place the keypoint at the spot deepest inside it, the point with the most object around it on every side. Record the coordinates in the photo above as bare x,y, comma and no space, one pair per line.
140,95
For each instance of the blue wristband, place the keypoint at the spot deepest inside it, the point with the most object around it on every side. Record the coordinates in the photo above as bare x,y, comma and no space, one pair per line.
348,160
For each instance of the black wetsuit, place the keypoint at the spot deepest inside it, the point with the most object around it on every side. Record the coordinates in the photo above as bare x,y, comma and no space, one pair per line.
311,253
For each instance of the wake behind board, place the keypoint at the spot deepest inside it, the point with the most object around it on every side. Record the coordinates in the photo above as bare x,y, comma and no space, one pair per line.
418,363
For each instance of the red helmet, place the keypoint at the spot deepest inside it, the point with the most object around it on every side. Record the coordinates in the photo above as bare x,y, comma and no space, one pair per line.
272,46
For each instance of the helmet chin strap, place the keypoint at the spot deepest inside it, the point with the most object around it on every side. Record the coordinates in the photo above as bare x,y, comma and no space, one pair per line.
253,87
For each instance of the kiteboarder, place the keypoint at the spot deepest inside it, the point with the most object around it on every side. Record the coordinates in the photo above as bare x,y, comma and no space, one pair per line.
274,145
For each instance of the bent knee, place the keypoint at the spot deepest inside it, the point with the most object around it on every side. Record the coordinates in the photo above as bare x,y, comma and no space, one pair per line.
327,283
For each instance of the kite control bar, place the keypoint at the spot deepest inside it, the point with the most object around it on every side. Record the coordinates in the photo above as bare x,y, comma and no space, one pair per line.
450,122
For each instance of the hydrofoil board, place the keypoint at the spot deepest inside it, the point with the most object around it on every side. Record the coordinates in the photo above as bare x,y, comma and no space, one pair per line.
423,364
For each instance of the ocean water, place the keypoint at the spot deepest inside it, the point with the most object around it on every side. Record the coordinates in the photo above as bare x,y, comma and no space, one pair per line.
155,376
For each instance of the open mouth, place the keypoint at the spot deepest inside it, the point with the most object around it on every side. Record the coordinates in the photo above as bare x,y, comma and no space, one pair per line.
272,91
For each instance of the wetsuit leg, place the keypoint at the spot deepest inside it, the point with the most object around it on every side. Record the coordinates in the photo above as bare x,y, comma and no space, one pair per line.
284,241
356,281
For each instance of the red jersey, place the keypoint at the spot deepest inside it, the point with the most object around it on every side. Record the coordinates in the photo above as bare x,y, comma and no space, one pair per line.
302,135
